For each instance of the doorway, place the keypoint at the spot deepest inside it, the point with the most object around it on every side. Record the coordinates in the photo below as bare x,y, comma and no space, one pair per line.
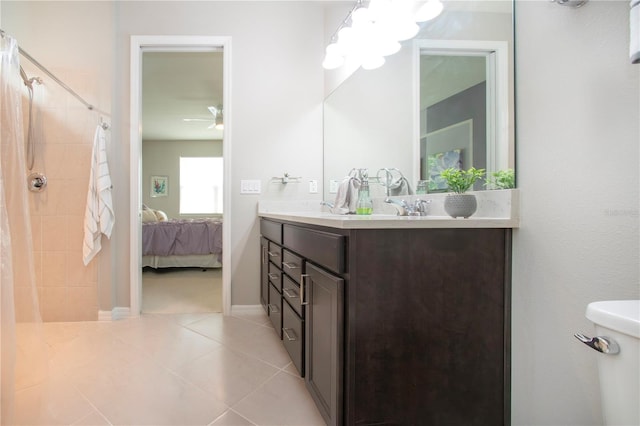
180,112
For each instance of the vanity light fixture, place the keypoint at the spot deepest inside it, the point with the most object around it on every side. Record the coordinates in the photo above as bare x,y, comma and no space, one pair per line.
368,34
570,3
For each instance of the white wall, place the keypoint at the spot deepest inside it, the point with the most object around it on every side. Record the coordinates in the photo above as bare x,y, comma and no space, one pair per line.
578,119
277,92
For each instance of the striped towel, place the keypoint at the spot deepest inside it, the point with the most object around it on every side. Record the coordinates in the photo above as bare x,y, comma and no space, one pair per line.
98,216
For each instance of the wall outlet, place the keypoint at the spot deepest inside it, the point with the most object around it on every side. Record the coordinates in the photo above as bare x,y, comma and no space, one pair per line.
333,186
313,187
250,186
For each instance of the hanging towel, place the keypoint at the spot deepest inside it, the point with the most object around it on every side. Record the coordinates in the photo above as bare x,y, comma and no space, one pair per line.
347,196
98,216
402,187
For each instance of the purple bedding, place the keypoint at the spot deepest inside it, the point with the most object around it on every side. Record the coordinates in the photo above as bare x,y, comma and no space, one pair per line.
182,237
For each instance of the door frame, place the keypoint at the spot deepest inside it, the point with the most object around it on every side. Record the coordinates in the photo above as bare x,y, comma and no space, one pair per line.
174,43
499,152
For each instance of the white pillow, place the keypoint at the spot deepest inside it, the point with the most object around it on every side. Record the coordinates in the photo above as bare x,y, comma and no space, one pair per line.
148,216
161,216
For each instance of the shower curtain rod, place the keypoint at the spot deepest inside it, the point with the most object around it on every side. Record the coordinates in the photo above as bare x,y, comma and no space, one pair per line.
52,76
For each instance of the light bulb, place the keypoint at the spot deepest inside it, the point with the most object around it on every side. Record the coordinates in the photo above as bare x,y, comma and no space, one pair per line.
372,62
333,58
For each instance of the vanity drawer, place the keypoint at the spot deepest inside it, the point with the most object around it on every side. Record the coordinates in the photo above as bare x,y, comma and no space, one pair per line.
271,230
324,248
293,337
291,293
292,265
275,309
275,276
275,253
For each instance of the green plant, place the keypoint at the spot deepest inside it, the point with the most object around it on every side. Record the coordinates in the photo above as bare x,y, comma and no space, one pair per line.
502,179
459,181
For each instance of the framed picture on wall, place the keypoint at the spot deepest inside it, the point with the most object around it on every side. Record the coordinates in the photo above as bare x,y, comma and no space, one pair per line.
159,186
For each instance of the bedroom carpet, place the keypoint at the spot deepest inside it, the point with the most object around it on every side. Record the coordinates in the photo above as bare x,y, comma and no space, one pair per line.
181,290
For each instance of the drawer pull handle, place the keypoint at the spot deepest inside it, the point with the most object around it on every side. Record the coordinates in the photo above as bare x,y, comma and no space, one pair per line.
302,283
290,265
273,308
273,276
274,254
286,332
287,292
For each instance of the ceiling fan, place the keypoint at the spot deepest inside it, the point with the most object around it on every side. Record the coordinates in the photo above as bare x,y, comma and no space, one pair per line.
217,121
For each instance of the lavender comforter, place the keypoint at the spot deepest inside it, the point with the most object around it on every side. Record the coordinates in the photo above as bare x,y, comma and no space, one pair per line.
182,237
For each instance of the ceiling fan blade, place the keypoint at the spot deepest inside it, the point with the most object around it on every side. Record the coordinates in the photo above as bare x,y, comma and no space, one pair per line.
197,119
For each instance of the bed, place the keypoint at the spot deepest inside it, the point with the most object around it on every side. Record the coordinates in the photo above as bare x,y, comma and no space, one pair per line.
181,243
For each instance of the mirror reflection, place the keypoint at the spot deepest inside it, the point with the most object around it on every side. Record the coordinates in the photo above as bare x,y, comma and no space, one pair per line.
445,99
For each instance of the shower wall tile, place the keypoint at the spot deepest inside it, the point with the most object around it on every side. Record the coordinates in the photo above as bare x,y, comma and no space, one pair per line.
63,131
75,237
54,269
76,197
54,233
54,303
78,274
53,120
36,231
82,303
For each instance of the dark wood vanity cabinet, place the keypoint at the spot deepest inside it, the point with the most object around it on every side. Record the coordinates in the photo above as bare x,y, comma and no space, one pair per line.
405,326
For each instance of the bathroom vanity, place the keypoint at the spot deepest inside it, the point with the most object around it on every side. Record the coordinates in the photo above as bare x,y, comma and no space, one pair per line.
392,320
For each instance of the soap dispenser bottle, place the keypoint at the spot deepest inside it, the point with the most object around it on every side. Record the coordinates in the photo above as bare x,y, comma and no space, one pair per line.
364,206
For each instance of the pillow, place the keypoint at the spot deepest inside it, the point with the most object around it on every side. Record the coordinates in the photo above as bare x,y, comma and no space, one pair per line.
161,216
148,216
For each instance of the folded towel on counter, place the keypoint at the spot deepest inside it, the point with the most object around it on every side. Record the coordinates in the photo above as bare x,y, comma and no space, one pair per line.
347,196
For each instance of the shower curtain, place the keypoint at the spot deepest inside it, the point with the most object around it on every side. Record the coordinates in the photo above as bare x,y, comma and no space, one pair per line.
23,355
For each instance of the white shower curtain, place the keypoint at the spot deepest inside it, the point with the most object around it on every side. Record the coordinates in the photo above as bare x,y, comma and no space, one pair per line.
23,355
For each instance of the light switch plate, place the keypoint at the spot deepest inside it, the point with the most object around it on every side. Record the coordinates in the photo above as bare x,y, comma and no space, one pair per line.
313,187
333,186
250,186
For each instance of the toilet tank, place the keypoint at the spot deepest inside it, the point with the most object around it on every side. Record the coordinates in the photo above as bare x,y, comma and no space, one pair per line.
619,374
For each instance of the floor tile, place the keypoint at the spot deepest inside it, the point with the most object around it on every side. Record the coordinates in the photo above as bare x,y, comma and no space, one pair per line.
227,374
283,400
231,418
188,369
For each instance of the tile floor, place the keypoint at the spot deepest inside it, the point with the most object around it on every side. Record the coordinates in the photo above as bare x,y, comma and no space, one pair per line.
189,369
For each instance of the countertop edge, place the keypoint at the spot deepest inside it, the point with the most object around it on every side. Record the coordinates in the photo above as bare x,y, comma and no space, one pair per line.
386,222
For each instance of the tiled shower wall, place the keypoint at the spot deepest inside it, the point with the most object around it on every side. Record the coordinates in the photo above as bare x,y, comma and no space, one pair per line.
63,131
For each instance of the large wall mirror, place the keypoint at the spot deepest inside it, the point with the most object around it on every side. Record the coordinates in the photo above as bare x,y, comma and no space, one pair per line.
446,98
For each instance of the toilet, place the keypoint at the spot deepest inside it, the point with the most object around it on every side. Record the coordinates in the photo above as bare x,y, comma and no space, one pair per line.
618,321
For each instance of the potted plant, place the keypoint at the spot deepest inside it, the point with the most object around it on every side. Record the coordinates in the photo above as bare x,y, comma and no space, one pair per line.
460,204
502,179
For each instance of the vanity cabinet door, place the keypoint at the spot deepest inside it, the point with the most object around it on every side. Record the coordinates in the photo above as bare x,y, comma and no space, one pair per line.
275,309
324,294
292,336
264,273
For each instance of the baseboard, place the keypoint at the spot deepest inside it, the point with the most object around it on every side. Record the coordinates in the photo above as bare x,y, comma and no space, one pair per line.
246,309
115,314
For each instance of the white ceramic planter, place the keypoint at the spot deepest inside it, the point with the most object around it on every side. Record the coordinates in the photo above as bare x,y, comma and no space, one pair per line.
460,205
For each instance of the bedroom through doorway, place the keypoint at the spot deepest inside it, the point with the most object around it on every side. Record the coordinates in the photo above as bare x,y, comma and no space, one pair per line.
182,180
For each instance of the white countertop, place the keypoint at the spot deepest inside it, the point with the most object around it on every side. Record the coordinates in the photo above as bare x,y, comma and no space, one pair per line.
383,221
496,209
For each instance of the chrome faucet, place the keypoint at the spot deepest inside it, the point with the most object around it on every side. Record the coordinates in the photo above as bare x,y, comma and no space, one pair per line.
417,208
